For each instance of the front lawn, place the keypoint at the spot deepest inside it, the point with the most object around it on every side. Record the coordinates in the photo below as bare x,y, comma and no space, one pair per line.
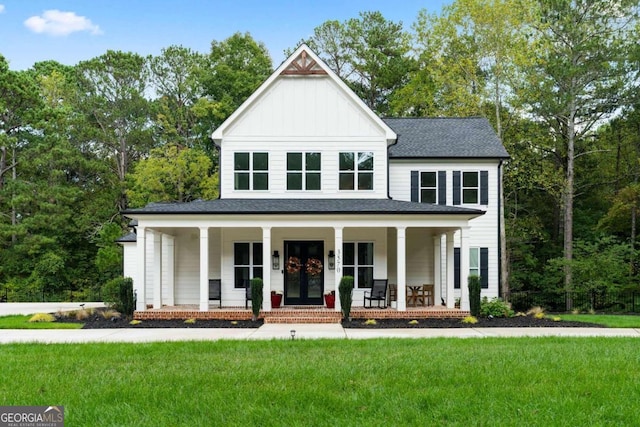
609,320
22,322
489,381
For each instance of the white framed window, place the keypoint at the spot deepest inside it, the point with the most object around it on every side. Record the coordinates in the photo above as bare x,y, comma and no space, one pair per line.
247,262
470,188
357,261
474,261
303,171
251,171
429,187
356,171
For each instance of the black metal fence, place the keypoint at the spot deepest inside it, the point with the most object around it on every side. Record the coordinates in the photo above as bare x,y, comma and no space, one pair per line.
596,300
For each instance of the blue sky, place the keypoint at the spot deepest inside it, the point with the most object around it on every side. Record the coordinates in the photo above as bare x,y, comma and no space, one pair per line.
70,31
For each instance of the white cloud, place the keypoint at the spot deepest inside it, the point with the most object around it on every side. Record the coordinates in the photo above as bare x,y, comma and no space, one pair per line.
1,8
57,23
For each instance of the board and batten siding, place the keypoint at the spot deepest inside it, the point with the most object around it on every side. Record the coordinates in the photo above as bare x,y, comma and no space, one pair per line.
304,114
483,232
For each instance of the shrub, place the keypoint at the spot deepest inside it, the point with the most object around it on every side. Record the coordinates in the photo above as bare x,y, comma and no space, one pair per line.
346,295
495,308
135,322
413,322
118,294
535,310
370,322
470,320
42,317
190,321
110,314
82,315
256,297
474,294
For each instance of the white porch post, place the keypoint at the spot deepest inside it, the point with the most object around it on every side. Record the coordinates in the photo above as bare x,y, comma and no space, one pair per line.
437,269
464,270
204,269
168,250
402,268
157,269
338,266
266,268
141,302
450,271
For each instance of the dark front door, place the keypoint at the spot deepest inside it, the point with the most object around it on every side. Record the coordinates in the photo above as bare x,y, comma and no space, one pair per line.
303,272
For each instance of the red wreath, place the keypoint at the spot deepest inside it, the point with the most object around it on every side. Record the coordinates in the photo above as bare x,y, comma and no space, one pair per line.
313,266
293,265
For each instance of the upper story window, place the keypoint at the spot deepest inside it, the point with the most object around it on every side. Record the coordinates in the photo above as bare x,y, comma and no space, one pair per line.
470,187
428,187
356,171
251,171
303,171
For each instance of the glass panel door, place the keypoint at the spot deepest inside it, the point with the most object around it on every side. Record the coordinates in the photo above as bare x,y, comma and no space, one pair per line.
303,272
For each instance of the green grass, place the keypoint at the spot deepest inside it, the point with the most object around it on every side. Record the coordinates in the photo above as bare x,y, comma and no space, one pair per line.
609,320
456,382
22,322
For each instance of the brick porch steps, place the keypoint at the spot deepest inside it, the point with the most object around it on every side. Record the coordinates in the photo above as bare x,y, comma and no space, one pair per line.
302,315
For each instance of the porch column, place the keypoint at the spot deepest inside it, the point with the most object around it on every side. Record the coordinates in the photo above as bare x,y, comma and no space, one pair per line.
157,269
266,268
168,250
204,268
141,247
437,269
338,271
464,269
450,271
402,268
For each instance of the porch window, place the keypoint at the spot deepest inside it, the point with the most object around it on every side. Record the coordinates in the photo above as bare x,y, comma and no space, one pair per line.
303,171
247,262
356,171
357,261
251,171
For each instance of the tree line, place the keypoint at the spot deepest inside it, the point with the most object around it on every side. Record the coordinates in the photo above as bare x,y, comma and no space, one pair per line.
557,79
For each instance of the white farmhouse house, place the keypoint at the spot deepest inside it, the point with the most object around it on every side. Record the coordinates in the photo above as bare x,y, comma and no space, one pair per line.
315,186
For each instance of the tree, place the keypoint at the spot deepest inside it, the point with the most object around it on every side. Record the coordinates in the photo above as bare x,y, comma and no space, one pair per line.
112,89
172,173
582,48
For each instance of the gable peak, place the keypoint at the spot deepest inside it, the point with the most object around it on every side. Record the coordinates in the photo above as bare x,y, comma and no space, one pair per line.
303,65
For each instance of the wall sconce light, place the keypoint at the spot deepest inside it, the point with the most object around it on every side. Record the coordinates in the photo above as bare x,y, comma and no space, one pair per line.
275,260
332,260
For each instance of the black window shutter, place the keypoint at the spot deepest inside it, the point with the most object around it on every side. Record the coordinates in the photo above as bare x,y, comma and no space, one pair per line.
456,187
456,268
442,187
484,267
484,187
415,186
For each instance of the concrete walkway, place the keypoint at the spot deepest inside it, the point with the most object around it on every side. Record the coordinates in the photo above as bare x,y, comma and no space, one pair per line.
283,331
265,332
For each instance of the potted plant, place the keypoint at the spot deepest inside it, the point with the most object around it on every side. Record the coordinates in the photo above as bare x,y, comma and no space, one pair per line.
330,299
276,299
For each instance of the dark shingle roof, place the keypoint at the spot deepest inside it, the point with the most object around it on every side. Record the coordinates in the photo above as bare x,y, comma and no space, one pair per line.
128,238
469,137
301,207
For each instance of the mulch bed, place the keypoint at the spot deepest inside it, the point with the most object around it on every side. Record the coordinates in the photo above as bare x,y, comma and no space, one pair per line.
511,322
97,321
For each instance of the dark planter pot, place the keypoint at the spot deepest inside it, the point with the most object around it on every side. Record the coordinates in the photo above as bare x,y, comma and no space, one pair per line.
330,300
276,300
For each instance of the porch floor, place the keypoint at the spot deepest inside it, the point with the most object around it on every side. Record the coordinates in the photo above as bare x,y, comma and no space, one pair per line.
296,314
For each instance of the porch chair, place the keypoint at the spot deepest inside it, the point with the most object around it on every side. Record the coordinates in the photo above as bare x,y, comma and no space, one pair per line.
378,293
247,298
427,295
393,293
215,291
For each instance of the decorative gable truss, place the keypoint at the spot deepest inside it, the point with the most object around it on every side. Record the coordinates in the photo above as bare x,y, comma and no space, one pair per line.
303,65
